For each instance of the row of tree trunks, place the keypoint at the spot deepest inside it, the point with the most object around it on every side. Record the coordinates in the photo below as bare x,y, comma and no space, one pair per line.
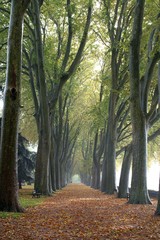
139,192
140,119
55,150
50,166
125,170
8,158
98,149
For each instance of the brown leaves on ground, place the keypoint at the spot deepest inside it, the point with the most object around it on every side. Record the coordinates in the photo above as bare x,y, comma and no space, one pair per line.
79,212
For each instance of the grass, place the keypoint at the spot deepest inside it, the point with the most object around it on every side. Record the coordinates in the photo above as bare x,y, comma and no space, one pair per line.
9,214
26,201
25,197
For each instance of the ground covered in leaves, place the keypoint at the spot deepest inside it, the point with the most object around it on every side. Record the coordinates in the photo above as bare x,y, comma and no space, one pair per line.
79,212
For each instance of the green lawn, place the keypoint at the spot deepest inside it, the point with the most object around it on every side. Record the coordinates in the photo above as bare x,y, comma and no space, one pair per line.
26,200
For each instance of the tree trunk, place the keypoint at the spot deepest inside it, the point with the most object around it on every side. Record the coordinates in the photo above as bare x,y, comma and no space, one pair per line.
20,184
57,168
97,183
93,182
62,174
97,154
124,178
52,166
108,172
42,166
139,192
117,24
43,155
9,134
157,212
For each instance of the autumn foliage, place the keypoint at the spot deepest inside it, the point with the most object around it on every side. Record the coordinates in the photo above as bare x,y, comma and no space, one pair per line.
79,212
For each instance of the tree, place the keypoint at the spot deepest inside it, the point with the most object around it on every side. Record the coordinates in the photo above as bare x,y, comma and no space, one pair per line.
64,63
118,16
125,170
141,111
8,155
44,142
87,149
65,132
98,147
157,212
5,10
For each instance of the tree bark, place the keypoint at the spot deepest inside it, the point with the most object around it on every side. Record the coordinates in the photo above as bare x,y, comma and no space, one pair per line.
9,134
116,25
97,155
157,212
108,171
43,155
52,165
139,192
125,170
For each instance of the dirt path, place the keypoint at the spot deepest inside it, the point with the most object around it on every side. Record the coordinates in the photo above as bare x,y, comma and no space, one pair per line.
79,212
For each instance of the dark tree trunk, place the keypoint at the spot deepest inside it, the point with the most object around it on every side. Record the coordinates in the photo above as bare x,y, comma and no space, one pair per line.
97,175
42,166
43,156
93,183
62,175
108,169
97,154
57,169
125,170
139,192
115,32
157,212
52,166
20,184
9,134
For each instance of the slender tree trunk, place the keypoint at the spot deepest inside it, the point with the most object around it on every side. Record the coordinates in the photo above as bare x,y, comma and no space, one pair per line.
62,174
93,183
57,168
43,155
9,135
96,177
52,164
108,172
42,166
124,178
97,153
94,164
157,212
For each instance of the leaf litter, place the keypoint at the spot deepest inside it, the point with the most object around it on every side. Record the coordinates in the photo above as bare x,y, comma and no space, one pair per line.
82,213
